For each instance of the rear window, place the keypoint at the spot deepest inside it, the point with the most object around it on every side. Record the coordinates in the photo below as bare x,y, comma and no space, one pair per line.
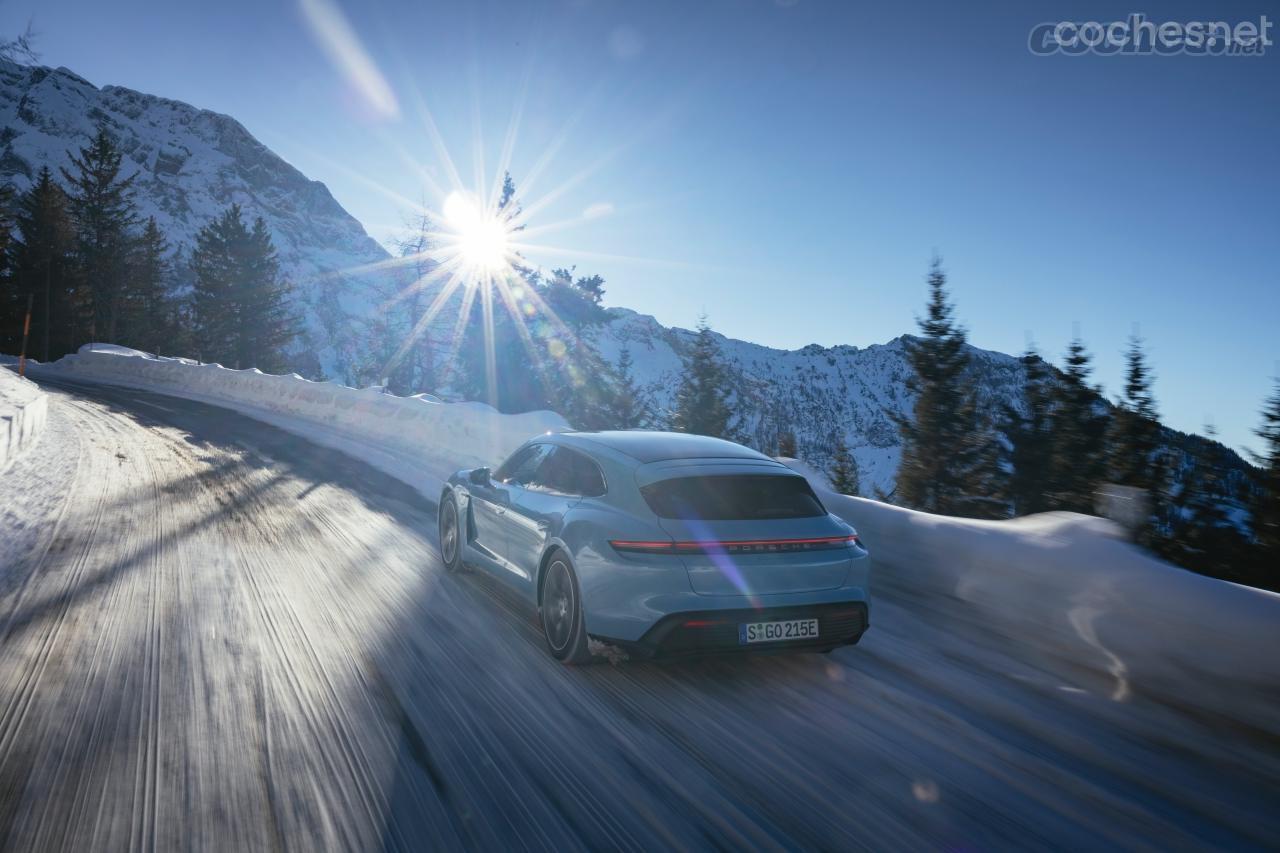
735,497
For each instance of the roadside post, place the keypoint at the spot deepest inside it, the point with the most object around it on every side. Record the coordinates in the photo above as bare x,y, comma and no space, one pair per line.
26,332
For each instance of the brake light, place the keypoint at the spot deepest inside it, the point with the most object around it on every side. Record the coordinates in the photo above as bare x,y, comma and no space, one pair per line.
739,546
643,547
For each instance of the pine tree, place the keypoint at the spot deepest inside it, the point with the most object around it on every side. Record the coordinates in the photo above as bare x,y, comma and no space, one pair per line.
844,469
787,444
101,206
6,226
20,49
1266,507
1028,434
43,265
630,405
1135,429
950,455
267,324
214,268
239,300
404,328
147,318
12,303
702,400
1202,536
1079,428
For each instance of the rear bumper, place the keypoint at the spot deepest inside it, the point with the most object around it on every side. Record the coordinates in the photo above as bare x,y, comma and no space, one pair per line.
715,632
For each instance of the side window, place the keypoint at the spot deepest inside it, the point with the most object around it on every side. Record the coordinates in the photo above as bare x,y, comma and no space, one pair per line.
568,472
590,482
513,462
521,467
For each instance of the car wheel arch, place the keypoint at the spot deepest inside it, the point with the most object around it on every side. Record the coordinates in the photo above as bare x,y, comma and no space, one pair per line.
552,548
462,502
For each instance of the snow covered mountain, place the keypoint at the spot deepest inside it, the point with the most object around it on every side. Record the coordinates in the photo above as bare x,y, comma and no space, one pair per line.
819,393
190,165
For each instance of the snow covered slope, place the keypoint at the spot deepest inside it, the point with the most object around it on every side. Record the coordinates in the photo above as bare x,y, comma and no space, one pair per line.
190,165
817,392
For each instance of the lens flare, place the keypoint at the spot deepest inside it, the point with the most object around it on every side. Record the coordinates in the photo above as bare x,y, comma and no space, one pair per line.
481,238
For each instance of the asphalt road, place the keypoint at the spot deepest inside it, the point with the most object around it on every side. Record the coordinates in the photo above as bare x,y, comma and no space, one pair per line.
214,635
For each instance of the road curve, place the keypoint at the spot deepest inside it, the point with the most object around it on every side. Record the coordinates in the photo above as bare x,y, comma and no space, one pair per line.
214,635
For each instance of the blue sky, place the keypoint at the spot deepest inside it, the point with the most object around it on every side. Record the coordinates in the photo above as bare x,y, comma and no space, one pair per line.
790,167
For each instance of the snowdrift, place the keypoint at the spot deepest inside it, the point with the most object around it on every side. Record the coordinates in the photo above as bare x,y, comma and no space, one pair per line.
1091,606
419,440
23,412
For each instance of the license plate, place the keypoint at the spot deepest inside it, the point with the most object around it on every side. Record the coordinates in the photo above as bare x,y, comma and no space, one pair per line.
777,632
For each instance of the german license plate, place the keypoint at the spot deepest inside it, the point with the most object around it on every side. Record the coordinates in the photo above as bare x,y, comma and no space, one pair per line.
777,632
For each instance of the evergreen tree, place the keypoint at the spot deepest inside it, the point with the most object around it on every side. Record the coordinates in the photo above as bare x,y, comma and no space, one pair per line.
148,316
102,210
787,444
43,265
267,324
214,269
1077,461
702,400
1266,507
950,455
12,303
239,300
1135,430
405,326
631,406
844,469
20,49
527,341
6,227
1202,536
1028,434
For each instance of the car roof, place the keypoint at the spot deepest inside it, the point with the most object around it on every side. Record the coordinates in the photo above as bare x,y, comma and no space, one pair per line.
650,446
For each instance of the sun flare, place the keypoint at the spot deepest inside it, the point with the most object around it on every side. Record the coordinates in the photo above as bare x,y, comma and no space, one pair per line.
479,237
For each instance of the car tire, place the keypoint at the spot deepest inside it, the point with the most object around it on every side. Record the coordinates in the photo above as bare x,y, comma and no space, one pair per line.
560,611
450,533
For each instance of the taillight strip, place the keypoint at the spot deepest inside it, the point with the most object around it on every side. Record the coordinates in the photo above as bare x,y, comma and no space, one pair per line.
735,545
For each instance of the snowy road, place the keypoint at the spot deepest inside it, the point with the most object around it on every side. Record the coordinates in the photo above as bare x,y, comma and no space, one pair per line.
214,635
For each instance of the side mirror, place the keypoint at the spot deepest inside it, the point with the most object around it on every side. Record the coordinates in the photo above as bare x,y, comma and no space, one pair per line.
479,476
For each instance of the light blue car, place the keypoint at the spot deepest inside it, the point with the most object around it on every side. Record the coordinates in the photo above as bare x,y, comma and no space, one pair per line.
662,544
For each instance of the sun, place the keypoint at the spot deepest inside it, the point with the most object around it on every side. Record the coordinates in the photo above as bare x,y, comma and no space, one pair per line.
479,237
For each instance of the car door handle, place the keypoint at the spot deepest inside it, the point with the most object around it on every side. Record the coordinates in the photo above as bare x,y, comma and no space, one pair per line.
543,527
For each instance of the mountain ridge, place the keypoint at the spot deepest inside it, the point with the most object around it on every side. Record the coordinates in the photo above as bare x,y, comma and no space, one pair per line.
191,163
188,165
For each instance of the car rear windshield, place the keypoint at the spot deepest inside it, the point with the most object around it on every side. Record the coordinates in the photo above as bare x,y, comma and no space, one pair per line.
736,497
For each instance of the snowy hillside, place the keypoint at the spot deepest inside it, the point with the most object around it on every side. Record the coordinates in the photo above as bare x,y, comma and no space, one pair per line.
190,165
816,392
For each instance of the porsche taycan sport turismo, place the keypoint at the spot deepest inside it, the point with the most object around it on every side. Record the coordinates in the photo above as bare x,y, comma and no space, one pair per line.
662,544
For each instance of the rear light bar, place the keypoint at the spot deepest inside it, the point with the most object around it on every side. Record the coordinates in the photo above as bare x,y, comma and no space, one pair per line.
740,546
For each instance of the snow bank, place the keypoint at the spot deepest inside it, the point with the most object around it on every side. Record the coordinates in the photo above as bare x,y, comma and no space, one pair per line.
416,439
23,412
1091,605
